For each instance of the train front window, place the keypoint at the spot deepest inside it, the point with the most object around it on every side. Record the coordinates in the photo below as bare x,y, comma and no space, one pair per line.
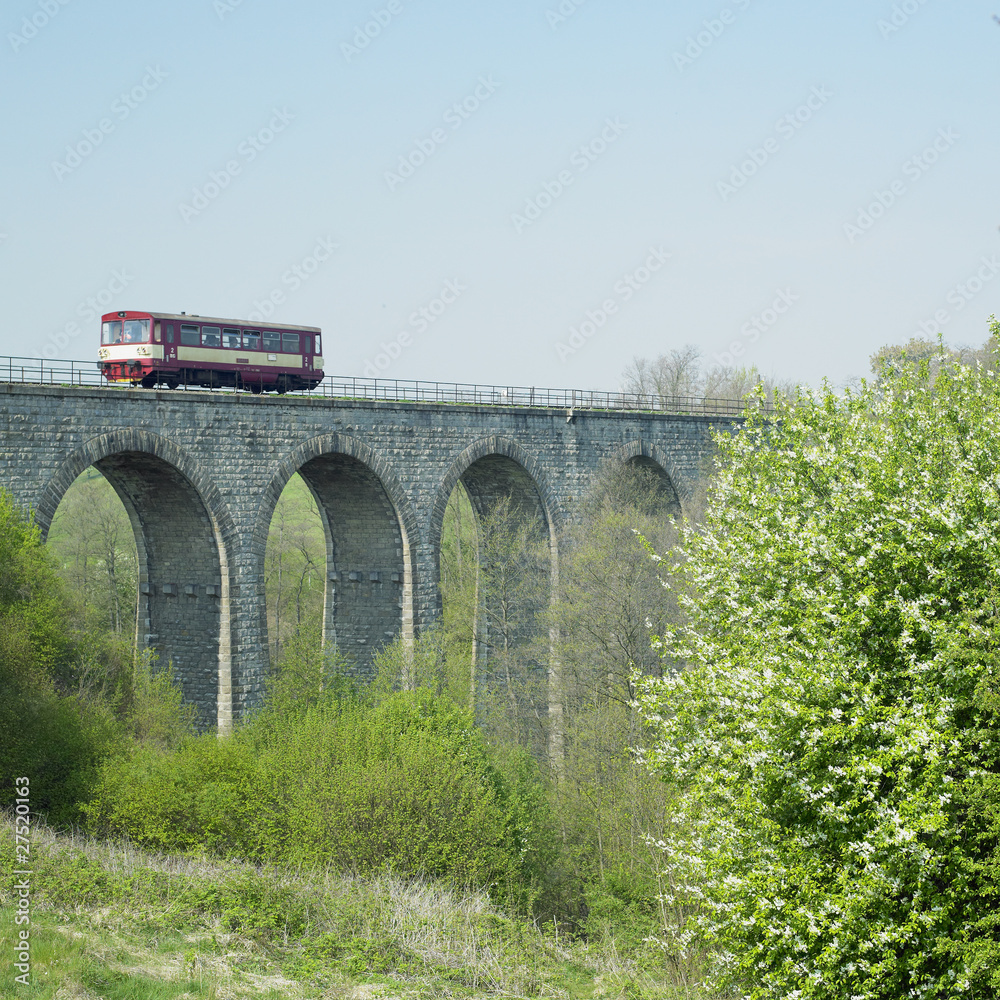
135,331
111,332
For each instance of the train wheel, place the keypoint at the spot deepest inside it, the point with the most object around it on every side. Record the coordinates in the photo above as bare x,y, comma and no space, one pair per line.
148,382
255,388
171,383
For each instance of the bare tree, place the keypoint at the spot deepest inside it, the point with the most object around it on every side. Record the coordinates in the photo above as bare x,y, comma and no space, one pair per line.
680,373
734,383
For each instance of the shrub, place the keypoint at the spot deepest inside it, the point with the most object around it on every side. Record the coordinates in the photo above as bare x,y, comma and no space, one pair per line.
54,739
180,798
834,734
409,784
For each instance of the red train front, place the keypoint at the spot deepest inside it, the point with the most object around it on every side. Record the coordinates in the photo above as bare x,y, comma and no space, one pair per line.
149,349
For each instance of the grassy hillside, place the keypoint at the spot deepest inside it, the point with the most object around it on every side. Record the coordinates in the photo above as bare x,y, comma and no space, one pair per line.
109,920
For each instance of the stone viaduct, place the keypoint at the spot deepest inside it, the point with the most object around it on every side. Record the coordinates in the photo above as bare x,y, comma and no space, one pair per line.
199,474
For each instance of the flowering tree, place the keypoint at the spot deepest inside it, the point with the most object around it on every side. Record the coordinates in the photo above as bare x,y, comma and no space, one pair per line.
836,732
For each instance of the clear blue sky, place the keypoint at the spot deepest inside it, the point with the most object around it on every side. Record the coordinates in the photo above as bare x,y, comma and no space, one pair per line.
587,145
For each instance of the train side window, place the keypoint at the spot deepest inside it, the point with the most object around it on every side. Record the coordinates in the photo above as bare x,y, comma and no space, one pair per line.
211,336
169,334
319,350
230,338
156,332
251,340
307,347
272,340
290,343
189,335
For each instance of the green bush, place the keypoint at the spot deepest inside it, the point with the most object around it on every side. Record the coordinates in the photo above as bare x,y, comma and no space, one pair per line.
409,784
835,737
180,798
49,736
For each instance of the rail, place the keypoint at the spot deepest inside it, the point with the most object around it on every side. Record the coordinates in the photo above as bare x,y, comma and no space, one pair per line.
38,371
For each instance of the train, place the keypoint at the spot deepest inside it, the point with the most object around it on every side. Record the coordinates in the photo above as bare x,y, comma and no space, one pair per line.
177,349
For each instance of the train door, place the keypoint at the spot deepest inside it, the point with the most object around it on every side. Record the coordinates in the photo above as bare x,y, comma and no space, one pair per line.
169,347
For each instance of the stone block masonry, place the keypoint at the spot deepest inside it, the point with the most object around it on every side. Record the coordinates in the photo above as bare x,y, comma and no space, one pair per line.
200,473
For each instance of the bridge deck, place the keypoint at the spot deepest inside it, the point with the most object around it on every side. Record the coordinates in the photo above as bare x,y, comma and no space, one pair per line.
37,371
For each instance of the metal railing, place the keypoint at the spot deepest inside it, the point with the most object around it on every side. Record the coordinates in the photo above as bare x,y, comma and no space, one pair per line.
38,371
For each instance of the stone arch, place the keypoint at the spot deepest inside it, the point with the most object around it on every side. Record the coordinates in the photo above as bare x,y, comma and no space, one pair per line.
490,469
643,455
511,458
371,532
185,541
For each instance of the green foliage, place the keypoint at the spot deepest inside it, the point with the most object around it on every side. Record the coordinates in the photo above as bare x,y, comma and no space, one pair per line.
422,663
604,804
610,595
154,709
294,565
919,351
511,684
71,697
409,784
32,600
606,881
179,798
308,673
356,957
459,566
117,917
834,736
120,985
50,737
93,546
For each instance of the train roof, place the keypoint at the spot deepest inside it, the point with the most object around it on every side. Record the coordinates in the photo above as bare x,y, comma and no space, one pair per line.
188,317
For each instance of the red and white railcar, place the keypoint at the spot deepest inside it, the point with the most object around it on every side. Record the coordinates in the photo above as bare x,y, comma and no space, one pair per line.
150,349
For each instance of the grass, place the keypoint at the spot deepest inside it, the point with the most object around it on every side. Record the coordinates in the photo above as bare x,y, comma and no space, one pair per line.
111,921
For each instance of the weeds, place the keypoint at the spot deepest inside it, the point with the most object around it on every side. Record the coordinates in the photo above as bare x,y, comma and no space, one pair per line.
111,920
